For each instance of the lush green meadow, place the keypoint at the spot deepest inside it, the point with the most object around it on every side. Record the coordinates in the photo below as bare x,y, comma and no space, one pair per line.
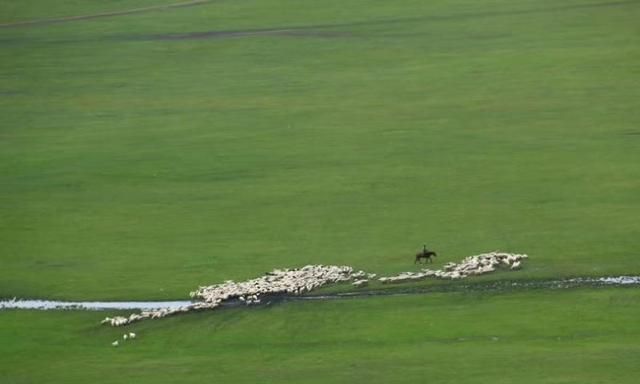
143,155
549,337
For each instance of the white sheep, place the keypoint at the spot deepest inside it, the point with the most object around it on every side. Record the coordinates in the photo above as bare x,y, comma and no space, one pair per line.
360,283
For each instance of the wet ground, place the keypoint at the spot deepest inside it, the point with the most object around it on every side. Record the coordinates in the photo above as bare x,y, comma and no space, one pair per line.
493,286
390,290
90,305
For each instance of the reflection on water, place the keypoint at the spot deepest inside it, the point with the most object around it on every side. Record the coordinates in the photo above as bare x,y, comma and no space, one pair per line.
90,305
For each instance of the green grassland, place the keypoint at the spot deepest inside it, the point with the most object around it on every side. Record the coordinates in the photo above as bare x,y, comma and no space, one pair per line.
549,337
137,167
138,161
14,12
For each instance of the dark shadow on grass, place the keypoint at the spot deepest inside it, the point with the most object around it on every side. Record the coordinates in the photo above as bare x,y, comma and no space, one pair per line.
305,31
317,30
68,19
495,287
283,32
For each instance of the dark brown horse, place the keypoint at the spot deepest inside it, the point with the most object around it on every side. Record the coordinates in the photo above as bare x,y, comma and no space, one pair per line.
425,254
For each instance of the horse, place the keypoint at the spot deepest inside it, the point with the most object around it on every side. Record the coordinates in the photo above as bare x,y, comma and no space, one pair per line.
425,254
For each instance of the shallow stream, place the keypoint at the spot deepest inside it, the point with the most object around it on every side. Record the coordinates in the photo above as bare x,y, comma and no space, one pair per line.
389,290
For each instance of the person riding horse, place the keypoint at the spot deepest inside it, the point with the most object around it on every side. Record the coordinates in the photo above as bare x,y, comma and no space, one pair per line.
425,254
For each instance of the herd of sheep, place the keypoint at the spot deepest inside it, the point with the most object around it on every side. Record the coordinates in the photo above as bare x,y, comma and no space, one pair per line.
279,281
302,280
470,266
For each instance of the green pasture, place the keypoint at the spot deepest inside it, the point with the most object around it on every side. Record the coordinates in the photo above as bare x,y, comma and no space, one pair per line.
143,155
134,166
549,337
12,12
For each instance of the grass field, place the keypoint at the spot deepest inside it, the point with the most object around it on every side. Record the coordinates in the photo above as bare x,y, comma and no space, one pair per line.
581,337
142,155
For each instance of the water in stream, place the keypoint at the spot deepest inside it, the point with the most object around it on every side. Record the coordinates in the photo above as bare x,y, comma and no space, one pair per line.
397,289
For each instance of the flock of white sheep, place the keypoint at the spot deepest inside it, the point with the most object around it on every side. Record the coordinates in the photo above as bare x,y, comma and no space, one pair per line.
470,266
279,281
303,280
